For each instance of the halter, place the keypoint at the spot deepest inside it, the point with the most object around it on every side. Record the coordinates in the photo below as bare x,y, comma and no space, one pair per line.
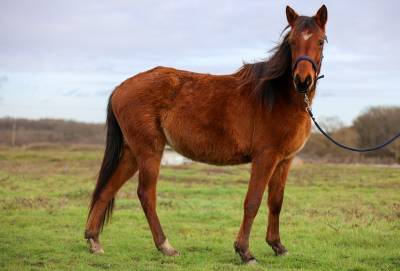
316,67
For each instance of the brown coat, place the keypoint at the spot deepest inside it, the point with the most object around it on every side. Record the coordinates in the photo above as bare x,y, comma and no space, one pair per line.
254,115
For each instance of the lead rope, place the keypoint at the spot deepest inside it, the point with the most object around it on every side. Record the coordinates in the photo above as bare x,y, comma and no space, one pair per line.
309,111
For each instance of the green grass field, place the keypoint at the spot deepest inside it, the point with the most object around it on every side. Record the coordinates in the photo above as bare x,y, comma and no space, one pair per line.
335,217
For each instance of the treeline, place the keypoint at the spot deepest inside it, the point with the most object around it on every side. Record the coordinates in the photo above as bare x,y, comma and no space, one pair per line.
371,128
22,132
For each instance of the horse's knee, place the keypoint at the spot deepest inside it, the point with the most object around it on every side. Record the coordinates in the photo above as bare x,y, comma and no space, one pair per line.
251,208
275,209
275,204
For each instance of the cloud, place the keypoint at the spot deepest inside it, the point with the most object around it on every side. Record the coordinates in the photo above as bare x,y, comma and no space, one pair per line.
89,47
103,93
134,35
75,93
3,79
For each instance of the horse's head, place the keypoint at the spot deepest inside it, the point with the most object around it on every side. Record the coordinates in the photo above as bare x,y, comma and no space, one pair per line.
306,40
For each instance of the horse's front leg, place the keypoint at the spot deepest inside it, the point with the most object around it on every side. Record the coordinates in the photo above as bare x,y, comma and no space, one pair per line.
276,188
263,167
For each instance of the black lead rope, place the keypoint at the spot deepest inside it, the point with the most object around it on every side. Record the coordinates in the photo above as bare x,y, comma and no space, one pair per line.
308,108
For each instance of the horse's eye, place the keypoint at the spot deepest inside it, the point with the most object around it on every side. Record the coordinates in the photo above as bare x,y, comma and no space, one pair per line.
321,43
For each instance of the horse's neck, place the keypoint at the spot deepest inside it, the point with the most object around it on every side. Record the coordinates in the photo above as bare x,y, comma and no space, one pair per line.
296,100
288,104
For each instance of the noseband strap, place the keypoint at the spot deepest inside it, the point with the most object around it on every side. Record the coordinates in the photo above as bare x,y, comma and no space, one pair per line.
315,66
305,58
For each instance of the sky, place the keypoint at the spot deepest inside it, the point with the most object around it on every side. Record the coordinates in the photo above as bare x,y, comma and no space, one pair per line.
62,59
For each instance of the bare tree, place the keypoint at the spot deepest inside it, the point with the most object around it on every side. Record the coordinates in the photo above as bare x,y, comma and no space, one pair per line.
376,125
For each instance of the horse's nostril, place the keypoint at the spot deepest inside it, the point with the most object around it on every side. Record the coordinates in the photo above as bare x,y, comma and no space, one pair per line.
297,80
308,81
302,85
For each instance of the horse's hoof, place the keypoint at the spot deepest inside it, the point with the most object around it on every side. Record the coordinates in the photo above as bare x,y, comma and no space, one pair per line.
95,247
245,256
281,251
98,252
252,262
167,249
278,248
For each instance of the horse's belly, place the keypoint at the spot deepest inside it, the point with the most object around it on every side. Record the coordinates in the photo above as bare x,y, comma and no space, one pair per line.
204,148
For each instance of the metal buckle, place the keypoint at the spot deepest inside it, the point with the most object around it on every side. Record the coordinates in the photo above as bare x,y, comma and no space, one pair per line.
307,102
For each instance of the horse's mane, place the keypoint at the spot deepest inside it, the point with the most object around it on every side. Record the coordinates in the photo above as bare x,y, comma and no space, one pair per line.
265,78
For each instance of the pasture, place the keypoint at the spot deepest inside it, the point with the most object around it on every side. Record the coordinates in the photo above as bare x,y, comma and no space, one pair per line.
334,217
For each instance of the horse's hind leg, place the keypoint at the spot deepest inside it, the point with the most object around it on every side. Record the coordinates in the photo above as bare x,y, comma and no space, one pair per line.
149,166
125,170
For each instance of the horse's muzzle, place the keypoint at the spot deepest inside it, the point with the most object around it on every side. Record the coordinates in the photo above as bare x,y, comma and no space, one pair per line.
303,86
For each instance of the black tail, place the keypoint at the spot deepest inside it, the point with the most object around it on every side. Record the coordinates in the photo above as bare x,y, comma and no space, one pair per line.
112,156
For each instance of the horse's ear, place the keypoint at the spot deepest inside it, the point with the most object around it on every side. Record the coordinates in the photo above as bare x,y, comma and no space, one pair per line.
291,15
322,16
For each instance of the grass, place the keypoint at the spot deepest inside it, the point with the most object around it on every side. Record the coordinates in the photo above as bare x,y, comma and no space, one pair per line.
335,217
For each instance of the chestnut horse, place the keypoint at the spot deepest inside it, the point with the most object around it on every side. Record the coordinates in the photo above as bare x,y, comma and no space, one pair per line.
256,115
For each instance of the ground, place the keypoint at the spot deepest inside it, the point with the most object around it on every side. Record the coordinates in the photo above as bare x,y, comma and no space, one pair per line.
335,217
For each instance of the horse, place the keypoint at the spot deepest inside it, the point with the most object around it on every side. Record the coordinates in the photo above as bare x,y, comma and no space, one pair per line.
255,115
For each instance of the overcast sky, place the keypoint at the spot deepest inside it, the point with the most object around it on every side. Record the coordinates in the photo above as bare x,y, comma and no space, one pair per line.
62,59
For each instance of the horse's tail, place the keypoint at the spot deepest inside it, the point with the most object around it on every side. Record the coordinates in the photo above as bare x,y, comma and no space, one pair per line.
112,156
